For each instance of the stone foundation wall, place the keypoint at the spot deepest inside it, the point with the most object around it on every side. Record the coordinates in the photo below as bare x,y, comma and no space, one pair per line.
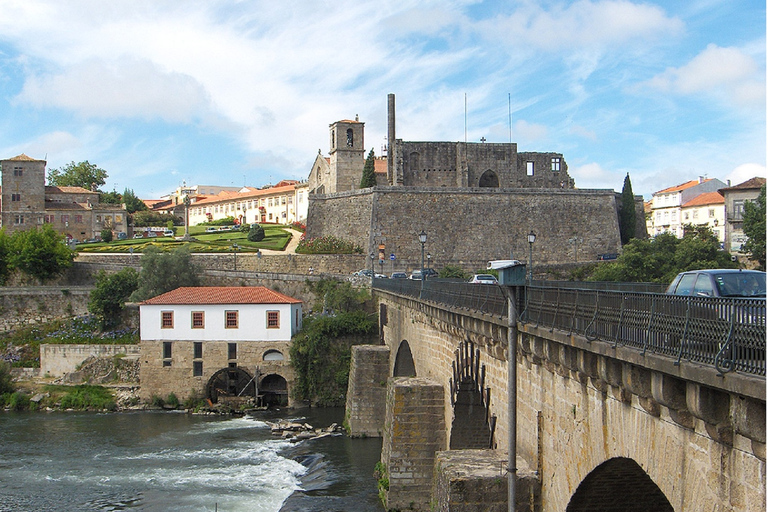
367,390
177,378
59,359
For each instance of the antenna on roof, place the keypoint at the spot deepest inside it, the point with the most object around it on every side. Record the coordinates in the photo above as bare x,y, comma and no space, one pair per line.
465,118
509,96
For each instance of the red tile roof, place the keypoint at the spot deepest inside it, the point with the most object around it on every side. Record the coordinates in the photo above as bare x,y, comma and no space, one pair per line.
50,189
682,186
221,295
705,199
239,196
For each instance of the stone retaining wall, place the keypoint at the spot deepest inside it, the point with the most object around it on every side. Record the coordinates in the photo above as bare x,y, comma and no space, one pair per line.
20,307
56,360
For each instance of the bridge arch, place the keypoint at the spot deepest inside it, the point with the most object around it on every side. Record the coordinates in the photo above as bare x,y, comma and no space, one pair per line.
230,382
618,485
473,426
404,365
273,389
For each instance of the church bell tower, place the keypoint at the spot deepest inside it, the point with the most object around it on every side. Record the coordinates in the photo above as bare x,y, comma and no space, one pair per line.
347,154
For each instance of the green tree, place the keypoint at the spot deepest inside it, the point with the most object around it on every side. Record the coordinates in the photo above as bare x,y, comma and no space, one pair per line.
627,213
40,253
754,228
6,379
256,233
106,235
113,197
149,218
5,257
163,272
108,298
369,175
132,203
333,296
83,174
455,272
661,258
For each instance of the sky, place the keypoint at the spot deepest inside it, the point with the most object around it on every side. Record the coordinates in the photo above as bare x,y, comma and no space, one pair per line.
232,93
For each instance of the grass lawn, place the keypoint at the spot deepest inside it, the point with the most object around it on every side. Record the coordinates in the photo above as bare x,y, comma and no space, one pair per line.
276,238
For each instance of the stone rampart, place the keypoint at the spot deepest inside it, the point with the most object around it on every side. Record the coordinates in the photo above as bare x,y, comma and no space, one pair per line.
468,227
56,360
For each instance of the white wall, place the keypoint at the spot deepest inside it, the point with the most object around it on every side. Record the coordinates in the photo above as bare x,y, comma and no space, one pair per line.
252,324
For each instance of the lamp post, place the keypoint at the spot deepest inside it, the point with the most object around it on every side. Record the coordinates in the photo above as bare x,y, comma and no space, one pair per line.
371,270
235,247
429,263
422,240
531,239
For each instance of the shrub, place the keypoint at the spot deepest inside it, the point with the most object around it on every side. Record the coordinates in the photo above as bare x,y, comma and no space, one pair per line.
157,401
172,400
106,235
327,245
18,401
6,381
256,233
86,396
298,226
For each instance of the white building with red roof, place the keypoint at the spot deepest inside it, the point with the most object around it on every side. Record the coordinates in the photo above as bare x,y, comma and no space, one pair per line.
667,204
229,343
706,210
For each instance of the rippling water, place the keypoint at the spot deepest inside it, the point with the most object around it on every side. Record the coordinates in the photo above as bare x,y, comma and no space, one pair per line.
174,462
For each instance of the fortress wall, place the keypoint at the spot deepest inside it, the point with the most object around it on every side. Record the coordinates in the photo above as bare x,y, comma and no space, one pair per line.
429,164
470,227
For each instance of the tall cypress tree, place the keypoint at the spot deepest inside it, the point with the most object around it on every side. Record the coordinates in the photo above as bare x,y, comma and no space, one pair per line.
627,214
369,176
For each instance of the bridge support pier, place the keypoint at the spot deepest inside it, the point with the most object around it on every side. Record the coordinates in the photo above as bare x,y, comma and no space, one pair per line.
414,431
367,390
471,480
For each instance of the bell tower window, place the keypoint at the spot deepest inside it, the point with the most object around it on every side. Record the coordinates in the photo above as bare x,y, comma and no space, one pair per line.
350,138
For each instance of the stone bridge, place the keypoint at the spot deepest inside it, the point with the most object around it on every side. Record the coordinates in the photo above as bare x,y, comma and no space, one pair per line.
600,425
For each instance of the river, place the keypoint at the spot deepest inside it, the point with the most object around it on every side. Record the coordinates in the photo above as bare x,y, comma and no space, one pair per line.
170,461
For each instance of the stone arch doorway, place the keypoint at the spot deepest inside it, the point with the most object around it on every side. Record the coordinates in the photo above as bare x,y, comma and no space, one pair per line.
229,383
274,390
473,426
489,179
618,485
404,365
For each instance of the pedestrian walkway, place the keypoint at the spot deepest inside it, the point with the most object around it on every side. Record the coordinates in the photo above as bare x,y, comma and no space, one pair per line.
291,247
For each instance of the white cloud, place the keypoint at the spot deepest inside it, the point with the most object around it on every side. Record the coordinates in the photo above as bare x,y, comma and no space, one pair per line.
744,172
727,73
584,24
591,175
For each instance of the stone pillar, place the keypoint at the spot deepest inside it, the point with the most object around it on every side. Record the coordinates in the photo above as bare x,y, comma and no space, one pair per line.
391,139
414,431
367,390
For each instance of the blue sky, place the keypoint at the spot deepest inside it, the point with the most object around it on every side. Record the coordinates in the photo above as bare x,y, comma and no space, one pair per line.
232,92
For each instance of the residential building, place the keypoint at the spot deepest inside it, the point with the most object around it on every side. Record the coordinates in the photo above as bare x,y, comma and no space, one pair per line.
75,212
707,209
666,211
735,197
219,342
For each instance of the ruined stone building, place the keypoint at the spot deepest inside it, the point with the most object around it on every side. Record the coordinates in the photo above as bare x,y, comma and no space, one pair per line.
74,212
475,201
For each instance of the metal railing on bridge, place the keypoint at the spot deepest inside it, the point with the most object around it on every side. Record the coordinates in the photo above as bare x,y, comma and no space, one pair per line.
727,333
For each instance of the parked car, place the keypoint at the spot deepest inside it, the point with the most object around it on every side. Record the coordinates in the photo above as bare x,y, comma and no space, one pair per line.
399,275
484,279
415,275
719,283
151,234
138,235
169,232
366,272
122,235
211,230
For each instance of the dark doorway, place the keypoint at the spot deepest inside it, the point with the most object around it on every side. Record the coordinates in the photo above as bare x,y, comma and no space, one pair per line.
273,390
489,179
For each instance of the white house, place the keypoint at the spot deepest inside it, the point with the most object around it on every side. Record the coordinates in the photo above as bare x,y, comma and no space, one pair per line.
218,342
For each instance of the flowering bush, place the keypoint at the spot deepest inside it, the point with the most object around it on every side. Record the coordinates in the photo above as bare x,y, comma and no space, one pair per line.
298,226
326,245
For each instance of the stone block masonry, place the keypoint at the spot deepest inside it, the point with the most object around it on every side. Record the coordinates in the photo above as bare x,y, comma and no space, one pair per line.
414,430
20,307
366,394
57,359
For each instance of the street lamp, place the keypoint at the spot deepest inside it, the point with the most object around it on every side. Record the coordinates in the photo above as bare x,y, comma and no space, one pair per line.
531,239
429,264
235,247
422,240
371,269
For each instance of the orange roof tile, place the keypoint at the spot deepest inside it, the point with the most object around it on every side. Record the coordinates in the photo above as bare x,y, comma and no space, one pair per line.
236,196
682,186
221,295
705,199
68,190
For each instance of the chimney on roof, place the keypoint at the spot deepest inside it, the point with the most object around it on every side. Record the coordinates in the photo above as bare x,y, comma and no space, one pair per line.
728,182
701,179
